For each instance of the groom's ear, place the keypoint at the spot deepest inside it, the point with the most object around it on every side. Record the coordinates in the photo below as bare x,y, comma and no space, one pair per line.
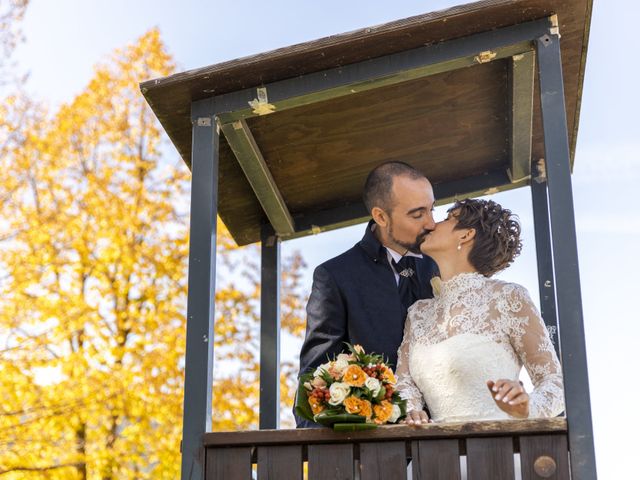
380,216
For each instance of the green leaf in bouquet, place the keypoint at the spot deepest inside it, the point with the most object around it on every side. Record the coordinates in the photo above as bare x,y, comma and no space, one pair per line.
396,398
370,359
358,356
403,408
302,408
353,427
324,375
357,392
368,395
381,394
331,417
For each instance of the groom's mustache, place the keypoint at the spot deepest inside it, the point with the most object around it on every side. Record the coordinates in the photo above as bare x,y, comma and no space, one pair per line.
423,235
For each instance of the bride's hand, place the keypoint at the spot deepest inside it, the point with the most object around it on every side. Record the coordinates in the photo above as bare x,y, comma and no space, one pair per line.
510,397
416,417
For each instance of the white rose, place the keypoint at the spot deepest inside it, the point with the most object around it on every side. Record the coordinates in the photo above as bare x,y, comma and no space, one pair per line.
340,365
395,414
338,392
373,384
318,382
346,356
324,366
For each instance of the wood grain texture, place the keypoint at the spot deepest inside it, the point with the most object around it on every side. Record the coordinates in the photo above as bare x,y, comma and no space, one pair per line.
331,462
383,461
277,463
427,122
490,458
435,459
306,436
228,463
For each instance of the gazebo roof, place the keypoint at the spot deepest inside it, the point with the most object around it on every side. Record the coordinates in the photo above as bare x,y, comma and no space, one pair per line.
471,128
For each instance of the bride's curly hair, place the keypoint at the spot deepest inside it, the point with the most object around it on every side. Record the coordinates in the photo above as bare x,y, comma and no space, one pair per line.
497,242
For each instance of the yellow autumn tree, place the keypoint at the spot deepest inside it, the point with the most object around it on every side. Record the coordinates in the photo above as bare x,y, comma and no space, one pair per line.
93,260
11,15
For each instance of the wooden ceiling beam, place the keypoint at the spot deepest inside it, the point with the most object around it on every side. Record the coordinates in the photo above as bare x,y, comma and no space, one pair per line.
446,192
250,158
521,84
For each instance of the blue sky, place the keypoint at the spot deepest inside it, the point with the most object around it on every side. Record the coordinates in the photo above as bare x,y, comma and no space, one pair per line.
65,39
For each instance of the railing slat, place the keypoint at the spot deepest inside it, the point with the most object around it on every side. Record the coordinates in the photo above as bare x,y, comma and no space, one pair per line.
532,448
435,459
330,461
382,461
490,458
228,463
277,463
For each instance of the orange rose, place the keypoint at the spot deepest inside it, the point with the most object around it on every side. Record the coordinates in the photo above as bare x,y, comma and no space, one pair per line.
354,376
387,376
358,406
383,412
352,405
366,409
316,406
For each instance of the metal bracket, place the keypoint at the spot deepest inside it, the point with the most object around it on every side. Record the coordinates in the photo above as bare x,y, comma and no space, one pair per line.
270,241
541,171
261,105
485,57
555,28
203,121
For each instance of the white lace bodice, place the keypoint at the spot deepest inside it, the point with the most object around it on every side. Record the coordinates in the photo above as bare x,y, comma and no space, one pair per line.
476,329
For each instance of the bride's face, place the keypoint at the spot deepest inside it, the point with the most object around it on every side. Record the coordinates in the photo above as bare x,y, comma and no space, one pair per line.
444,237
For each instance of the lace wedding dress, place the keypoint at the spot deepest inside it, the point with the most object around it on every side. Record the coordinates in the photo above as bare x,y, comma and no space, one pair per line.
476,329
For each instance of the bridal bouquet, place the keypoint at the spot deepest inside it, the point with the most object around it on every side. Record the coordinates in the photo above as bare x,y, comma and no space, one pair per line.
353,391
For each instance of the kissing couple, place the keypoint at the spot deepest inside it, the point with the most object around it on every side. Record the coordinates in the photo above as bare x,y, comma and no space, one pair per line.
421,293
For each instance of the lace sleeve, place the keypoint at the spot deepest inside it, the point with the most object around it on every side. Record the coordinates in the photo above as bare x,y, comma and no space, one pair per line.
405,386
530,338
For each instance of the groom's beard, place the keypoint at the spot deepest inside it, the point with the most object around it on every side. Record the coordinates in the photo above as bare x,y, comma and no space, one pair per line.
413,247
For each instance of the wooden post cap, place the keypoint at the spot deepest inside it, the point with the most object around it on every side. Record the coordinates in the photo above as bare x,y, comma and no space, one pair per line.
544,466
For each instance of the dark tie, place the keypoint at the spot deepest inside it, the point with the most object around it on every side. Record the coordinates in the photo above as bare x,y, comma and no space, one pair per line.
408,286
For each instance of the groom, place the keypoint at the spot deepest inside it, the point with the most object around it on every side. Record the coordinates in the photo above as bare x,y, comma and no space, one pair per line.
362,296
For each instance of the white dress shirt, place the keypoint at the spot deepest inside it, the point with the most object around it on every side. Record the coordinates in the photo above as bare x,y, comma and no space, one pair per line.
392,255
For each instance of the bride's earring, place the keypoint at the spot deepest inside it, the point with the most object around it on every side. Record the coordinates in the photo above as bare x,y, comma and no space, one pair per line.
459,246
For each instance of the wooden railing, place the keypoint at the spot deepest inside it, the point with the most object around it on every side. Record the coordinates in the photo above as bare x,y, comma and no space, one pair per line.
485,450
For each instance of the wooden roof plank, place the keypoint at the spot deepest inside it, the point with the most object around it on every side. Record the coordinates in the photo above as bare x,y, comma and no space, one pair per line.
470,131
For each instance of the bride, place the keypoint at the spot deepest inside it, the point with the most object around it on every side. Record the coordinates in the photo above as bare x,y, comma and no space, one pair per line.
463,350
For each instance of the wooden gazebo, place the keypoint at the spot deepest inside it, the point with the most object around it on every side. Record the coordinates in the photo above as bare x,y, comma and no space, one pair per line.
482,97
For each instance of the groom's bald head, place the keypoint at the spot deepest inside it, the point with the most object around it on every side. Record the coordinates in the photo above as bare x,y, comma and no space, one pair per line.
378,188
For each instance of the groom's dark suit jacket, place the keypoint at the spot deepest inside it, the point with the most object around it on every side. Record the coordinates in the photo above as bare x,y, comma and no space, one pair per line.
354,298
